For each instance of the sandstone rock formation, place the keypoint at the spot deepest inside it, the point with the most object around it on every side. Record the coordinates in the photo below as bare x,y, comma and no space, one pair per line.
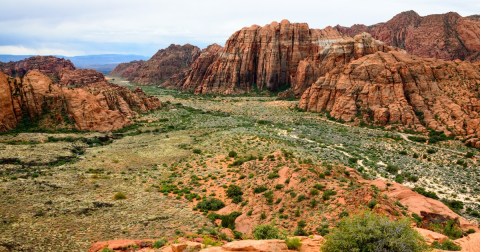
470,243
78,77
161,66
430,236
337,55
48,65
125,70
94,104
445,36
251,245
417,203
398,88
188,79
35,97
263,57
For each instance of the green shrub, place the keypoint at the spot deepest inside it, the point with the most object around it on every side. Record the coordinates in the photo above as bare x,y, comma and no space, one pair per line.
119,196
446,245
232,154
300,231
392,169
273,176
368,232
197,151
314,191
293,243
372,204
300,197
212,204
469,154
279,186
326,195
260,189
160,243
234,190
425,193
265,232
319,186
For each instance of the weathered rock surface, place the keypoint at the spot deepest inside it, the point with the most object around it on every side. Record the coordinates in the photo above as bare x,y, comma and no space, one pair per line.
164,64
337,55
48,65
25,97
430,236
78,77
445,36
418,203
398,88
188,78
34,97
470,243
251,245
260,57
125,70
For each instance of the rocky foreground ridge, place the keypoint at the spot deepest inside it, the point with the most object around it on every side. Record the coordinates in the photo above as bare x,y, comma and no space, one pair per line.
50,92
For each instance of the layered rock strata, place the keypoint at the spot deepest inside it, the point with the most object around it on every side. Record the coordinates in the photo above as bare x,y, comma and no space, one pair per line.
445,36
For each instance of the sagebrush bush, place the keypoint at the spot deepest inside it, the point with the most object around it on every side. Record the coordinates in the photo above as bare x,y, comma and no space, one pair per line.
267,231
119,196
210,204
368,231
293,243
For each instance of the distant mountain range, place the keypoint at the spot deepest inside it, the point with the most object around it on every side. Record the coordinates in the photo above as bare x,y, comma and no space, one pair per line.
104,63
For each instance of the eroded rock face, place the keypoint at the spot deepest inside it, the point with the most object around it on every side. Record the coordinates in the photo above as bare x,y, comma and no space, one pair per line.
445,36
89,103
78,77
164,64
394,87
35,96
418,203
189,78
261,57
125,70
336,55
48,65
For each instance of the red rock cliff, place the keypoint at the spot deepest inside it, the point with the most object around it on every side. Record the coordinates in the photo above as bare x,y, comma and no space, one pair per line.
48,65
445,36
162,65
34,96
398,88
266,56
30,97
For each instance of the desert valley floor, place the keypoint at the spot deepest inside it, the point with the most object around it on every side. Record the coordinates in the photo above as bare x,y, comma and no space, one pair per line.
60,188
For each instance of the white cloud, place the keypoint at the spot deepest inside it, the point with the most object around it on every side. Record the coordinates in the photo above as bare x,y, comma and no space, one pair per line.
77,24
21,50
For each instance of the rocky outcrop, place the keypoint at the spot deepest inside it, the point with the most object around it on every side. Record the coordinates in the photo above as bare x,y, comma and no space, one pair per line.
445,36
417,203
336,55
125,70
78,77
188,79
164,64
260,57
397,88
89,103
47,65
251,245
430,236
35,98
470,243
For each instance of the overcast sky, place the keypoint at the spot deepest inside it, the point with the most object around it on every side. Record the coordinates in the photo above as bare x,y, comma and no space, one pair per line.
71,27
